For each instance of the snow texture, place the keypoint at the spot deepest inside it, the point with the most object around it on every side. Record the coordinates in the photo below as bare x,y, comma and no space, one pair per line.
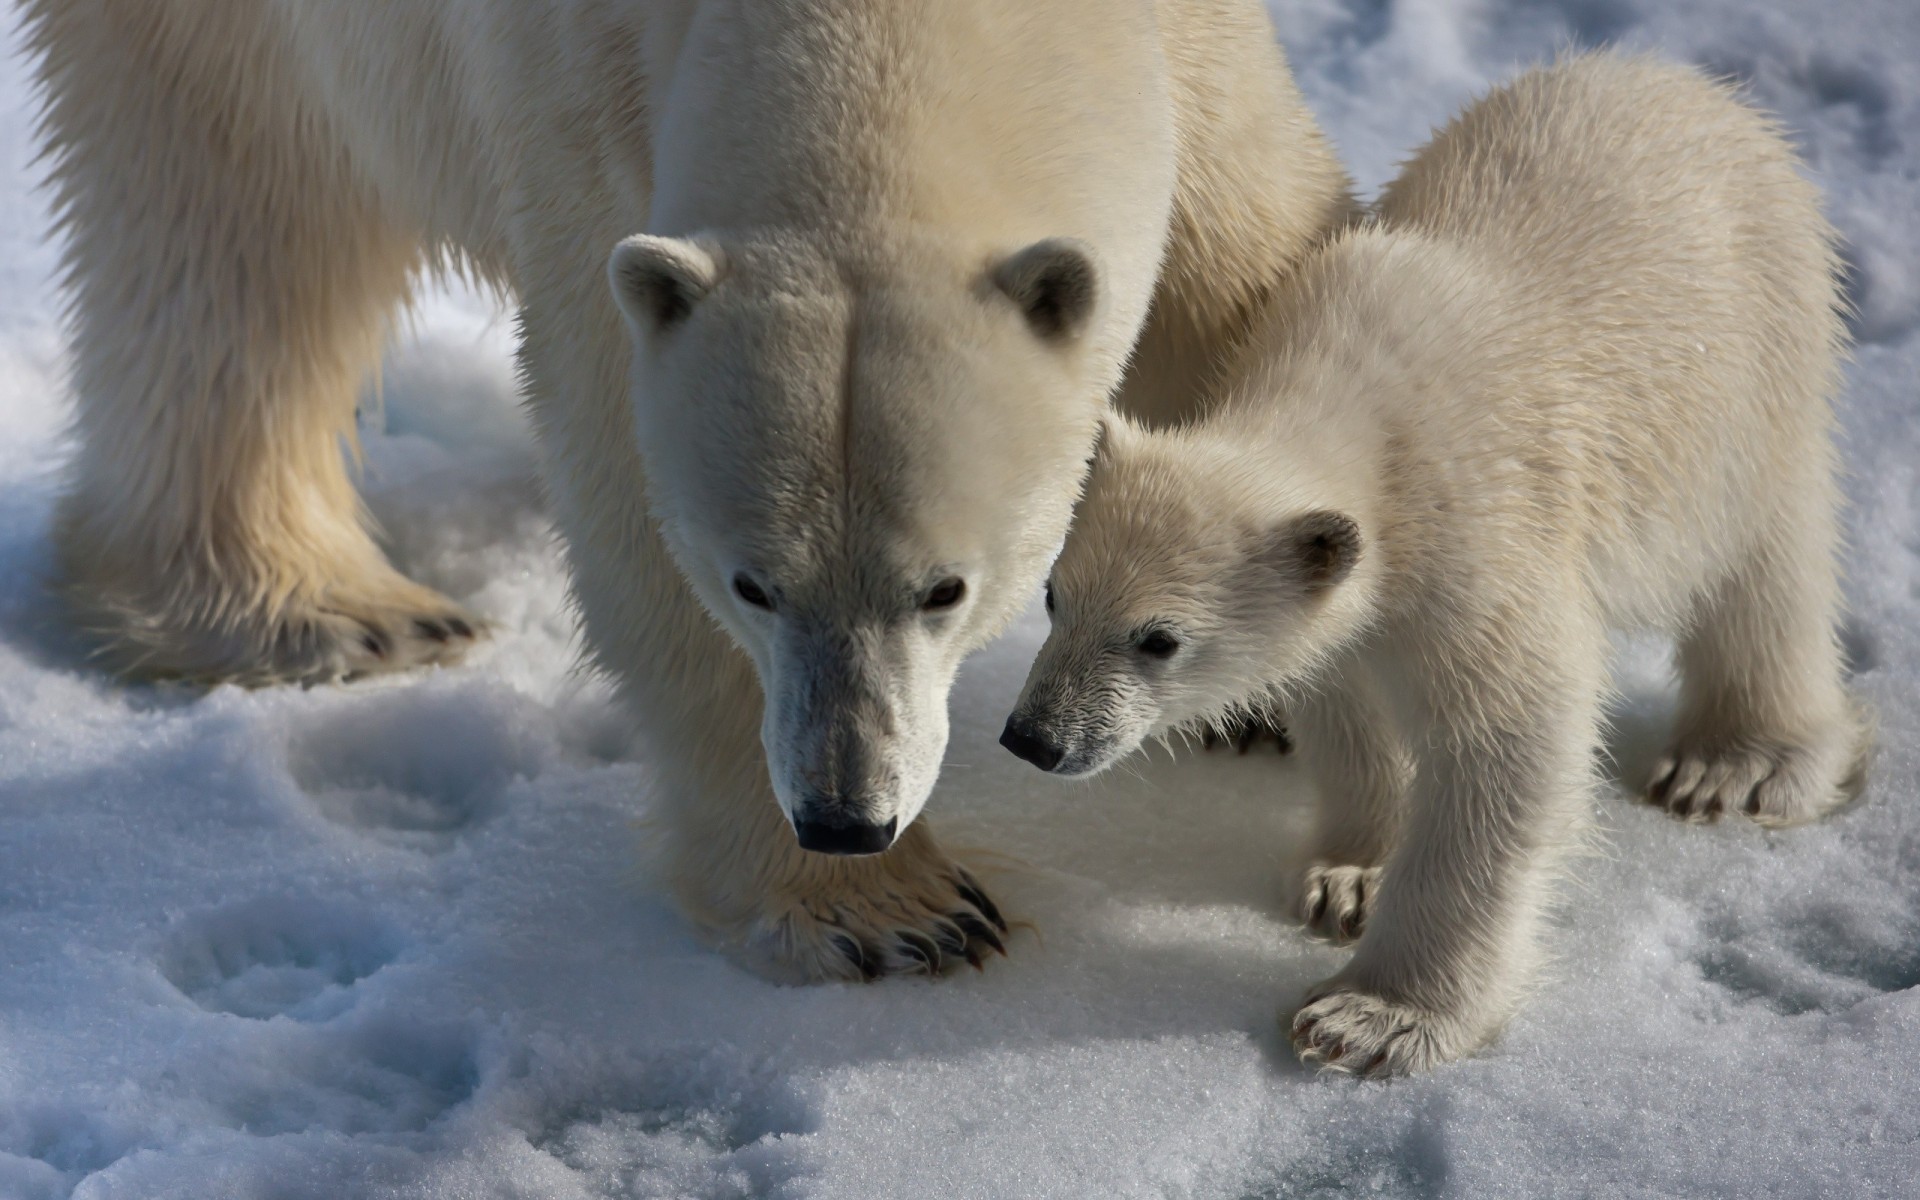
394,939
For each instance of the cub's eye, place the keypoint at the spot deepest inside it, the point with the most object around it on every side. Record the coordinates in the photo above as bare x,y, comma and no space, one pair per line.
1049,595
751,592
1158,643
945,594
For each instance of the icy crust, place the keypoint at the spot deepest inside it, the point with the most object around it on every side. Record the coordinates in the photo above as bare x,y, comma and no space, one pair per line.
394,940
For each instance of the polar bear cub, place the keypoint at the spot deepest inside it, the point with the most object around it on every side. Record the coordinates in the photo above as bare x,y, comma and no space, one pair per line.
1576,375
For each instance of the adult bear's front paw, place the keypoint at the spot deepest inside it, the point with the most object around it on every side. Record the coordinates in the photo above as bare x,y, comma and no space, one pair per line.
910,911
1344,1028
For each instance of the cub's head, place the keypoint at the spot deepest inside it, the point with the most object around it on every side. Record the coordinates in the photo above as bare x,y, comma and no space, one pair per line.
1198,578
862,458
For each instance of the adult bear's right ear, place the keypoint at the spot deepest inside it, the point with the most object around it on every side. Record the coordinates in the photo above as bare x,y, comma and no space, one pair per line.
658,280
1055,284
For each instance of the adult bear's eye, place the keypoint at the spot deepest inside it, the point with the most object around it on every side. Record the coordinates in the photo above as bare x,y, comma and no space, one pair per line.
751,592
1049,595
945,594
1157,643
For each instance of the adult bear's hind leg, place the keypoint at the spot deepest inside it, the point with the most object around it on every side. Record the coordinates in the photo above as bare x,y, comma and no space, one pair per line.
231,283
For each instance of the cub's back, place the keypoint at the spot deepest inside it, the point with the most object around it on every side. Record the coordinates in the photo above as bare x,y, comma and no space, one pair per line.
1674,271
1604,168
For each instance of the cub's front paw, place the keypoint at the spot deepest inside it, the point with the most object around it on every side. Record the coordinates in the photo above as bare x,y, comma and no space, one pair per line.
1343,1028
1337,898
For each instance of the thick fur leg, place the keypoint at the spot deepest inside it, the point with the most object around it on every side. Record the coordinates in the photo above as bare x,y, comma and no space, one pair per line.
231,283
1766,728
1451,940
1362,772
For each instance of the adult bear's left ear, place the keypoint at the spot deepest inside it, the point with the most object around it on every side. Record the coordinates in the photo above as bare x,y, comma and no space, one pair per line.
1055,285
658,280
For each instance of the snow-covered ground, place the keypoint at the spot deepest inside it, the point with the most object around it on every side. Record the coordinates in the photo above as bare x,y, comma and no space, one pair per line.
392,940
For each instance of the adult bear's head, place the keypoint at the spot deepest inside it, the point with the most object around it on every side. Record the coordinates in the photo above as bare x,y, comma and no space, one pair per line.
863,459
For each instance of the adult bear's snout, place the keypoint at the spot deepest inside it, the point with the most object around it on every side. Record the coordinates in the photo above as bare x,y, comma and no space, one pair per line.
831,836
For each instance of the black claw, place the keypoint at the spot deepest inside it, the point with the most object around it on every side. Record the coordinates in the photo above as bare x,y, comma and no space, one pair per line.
851,950
1319,908
848,948
1249,734
460,627
950,938
970,891
919,947
979,931
1209,738
430,629
375,639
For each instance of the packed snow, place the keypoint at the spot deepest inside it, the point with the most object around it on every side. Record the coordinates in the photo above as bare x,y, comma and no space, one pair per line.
395,939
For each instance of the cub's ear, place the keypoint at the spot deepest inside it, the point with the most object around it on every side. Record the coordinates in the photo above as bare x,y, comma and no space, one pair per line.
1054,284
658,280
1319,549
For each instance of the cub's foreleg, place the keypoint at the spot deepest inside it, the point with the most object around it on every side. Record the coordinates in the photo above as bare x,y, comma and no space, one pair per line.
1361,770
1503,779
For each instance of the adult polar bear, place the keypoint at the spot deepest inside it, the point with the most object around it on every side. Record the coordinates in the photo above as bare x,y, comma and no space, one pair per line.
898,257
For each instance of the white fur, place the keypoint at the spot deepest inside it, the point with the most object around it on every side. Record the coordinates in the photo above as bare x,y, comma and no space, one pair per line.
857,390
1578,375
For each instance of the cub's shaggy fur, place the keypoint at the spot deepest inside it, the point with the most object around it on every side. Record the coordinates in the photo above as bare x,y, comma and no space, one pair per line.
1578,375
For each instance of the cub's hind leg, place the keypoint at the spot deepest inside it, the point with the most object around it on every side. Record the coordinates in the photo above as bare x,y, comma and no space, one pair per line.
231,283
1766,726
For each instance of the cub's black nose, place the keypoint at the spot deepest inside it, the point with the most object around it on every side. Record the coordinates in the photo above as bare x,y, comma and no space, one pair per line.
848,837
1025,741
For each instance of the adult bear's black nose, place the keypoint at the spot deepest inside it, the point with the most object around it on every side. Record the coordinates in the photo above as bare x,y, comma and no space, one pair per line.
830,836
1029,743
